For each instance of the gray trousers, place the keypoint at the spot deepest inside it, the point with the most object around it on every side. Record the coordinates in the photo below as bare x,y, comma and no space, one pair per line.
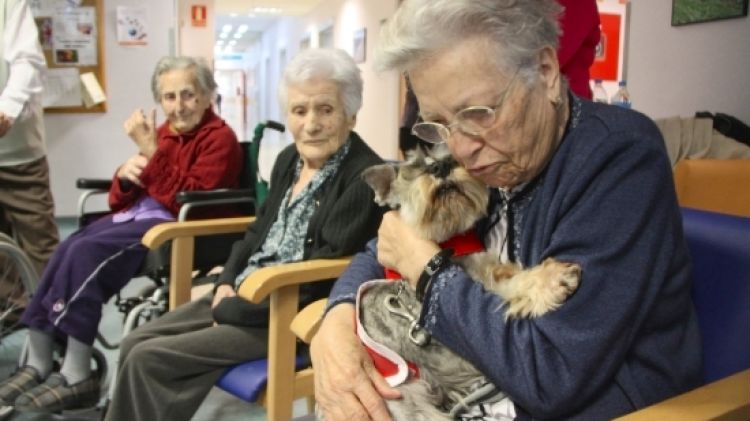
168,366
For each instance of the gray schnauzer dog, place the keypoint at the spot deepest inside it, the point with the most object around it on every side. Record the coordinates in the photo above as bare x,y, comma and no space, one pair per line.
441,199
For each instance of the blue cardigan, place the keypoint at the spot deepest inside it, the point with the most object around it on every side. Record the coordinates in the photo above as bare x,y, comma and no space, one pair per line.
629,336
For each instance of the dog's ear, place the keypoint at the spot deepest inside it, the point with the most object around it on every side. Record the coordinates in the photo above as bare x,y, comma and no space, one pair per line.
379,178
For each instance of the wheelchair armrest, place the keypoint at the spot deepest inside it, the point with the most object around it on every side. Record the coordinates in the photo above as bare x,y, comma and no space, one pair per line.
193,199
210,195
726,399
94,183
261,283
306,323
183,236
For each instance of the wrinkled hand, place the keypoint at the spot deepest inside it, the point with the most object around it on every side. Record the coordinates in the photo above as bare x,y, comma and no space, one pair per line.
5,124
347,386
132,169
142,129
222,292
400,248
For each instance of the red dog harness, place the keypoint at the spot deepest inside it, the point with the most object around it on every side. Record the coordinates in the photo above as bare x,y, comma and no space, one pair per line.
389,364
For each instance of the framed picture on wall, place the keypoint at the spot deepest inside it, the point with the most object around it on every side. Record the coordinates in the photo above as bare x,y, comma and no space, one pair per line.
685,12
359,50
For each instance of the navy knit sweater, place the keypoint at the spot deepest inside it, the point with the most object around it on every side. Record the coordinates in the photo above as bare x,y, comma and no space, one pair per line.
629,336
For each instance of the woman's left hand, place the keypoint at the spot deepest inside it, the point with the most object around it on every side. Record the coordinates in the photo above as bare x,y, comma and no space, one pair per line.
142,129
400,248
222,292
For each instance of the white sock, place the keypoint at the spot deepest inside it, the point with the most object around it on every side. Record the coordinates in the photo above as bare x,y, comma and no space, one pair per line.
77,363
40,352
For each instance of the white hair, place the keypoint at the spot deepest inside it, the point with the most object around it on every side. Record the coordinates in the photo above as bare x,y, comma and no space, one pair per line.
204,76
330,64
519,29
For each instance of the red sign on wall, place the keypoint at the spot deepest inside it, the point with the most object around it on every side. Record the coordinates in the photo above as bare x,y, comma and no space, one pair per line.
198,15
607,60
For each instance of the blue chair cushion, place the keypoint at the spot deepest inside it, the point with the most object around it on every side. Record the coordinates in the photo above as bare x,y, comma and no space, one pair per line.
720,250
246,380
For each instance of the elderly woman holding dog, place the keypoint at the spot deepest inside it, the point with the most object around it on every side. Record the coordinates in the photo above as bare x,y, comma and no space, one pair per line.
318,207
581,182
193,150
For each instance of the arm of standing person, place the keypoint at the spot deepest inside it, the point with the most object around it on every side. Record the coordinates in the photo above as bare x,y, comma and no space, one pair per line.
580,34
579,19
22,51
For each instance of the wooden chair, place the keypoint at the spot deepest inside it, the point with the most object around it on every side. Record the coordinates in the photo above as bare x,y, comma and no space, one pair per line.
277,381
719,185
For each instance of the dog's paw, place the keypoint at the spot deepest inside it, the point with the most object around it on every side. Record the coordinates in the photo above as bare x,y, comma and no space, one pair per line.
542,288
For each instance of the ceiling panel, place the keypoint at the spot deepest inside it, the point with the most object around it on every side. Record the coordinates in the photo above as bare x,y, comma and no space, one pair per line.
258,15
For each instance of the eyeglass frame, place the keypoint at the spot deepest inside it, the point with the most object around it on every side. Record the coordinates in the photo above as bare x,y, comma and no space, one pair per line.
446,131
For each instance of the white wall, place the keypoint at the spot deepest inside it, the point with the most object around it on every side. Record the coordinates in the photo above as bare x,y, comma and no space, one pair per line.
93,145
196,41
681,70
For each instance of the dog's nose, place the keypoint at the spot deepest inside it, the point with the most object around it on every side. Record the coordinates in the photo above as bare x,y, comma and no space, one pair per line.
440,169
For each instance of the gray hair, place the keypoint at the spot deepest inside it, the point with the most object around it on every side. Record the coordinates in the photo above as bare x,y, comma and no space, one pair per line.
421,28
330,64
204,76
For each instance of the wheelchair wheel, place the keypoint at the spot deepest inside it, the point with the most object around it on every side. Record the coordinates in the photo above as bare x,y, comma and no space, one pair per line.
17,278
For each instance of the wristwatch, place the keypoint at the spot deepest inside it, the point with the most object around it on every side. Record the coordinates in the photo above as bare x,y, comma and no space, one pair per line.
433,266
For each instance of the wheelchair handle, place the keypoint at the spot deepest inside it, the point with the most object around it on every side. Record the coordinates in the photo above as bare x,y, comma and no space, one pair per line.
275,125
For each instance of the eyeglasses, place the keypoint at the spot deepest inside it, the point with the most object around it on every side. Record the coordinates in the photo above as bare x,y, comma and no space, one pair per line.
473,121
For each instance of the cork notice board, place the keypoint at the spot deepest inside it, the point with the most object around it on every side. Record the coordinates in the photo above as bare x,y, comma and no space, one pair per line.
71,34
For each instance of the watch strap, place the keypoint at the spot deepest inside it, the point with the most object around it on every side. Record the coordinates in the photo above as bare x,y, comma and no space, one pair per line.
433,266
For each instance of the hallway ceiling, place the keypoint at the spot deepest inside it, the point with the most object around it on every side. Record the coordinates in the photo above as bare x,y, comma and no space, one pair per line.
258,15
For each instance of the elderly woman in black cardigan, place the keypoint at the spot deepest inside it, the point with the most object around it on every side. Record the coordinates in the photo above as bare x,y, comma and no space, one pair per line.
318,207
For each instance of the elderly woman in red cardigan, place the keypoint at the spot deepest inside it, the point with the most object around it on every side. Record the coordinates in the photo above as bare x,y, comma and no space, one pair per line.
193,150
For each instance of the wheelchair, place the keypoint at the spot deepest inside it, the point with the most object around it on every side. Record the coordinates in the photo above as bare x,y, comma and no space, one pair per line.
151,300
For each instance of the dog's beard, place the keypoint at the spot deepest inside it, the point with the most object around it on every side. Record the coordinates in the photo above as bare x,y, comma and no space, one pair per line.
440,208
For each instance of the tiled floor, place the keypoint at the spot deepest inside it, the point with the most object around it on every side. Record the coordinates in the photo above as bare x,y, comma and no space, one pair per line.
218,405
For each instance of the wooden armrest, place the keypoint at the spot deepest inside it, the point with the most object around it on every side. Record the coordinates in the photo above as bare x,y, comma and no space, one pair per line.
281,284
183,236
166,231
306,323
259,284
726,400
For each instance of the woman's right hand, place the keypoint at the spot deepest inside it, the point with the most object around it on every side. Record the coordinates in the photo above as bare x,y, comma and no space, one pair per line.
347,386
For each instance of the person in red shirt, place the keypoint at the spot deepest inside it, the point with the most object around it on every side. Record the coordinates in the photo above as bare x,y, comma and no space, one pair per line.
193,150
580,36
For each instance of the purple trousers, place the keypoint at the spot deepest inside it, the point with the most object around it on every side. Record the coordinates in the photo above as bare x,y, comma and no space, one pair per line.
85,271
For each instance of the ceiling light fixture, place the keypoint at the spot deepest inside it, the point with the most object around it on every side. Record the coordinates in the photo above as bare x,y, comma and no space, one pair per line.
226,28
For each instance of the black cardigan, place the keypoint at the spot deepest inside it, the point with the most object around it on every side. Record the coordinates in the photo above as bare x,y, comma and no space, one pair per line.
346,218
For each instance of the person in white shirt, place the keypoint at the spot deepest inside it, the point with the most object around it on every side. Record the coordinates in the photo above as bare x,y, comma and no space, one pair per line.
26,205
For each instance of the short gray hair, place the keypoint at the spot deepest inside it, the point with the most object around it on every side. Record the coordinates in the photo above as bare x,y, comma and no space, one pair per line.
202,72
421,28
330,64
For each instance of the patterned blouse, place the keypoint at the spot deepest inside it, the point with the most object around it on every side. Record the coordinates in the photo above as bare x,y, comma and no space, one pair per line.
285,240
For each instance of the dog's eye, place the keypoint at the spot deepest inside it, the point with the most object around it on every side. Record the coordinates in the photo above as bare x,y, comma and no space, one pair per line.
440,169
